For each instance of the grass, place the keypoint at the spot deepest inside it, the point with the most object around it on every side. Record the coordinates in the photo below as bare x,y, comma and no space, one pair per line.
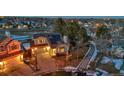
109,67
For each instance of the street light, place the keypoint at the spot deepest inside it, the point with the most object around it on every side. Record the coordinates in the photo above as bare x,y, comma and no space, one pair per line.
36,64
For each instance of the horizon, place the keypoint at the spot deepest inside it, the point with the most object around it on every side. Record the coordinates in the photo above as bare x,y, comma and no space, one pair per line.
74,17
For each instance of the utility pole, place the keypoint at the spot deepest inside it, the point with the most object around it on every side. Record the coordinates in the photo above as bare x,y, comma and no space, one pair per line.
36,60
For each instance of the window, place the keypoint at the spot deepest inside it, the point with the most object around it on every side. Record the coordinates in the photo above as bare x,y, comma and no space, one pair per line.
41,41
1,49
13,47
2,66
62,50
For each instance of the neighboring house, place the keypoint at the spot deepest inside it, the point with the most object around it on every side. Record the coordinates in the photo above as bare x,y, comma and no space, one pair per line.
25,44
119,52
119,42
50,43
9,49
21,38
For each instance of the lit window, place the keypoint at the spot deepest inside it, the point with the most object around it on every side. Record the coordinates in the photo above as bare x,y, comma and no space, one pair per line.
62,50
2,65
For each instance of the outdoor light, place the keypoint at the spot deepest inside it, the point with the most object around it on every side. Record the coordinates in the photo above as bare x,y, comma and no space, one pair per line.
21,57
54,52
32,51
97,24
48,48
35,54
62,50
2,66
1,63
35,49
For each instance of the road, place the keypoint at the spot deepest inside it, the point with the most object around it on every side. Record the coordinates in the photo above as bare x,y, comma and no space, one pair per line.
87,59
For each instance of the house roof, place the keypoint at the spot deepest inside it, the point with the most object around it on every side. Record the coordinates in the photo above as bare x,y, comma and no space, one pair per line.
20,38
6,38
54,38
2,37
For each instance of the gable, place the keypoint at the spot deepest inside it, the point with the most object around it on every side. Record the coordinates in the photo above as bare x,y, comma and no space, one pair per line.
14,42
54,38
40,40
13,46
5,41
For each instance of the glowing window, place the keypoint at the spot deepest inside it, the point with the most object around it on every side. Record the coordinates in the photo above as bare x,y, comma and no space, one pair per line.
62,49
2,65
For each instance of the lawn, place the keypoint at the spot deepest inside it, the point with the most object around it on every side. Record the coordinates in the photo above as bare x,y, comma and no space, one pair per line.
109,67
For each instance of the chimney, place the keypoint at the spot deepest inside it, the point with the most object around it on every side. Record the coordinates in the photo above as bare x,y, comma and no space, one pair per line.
7,33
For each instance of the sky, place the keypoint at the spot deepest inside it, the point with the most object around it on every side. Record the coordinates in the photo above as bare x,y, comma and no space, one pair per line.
86,16
89,16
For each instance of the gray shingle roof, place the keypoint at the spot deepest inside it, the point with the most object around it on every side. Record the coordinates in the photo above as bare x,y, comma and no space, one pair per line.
2,37
54,38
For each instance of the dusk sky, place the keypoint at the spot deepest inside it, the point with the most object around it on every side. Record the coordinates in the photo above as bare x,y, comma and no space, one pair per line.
77,16
89,16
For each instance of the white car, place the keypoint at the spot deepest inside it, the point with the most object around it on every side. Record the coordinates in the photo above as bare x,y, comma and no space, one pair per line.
69,69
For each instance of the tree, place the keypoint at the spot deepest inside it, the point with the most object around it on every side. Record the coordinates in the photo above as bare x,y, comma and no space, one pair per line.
75,33
83,35
59,26
71,29
102,31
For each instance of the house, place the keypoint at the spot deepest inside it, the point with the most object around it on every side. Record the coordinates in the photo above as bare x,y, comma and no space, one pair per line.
119,52
23,39
10,49
25,44
50,43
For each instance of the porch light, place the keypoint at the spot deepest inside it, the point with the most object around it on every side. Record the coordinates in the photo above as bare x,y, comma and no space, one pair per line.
2,66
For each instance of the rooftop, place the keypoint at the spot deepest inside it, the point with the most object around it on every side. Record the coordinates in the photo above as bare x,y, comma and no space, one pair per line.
54,38
2,37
